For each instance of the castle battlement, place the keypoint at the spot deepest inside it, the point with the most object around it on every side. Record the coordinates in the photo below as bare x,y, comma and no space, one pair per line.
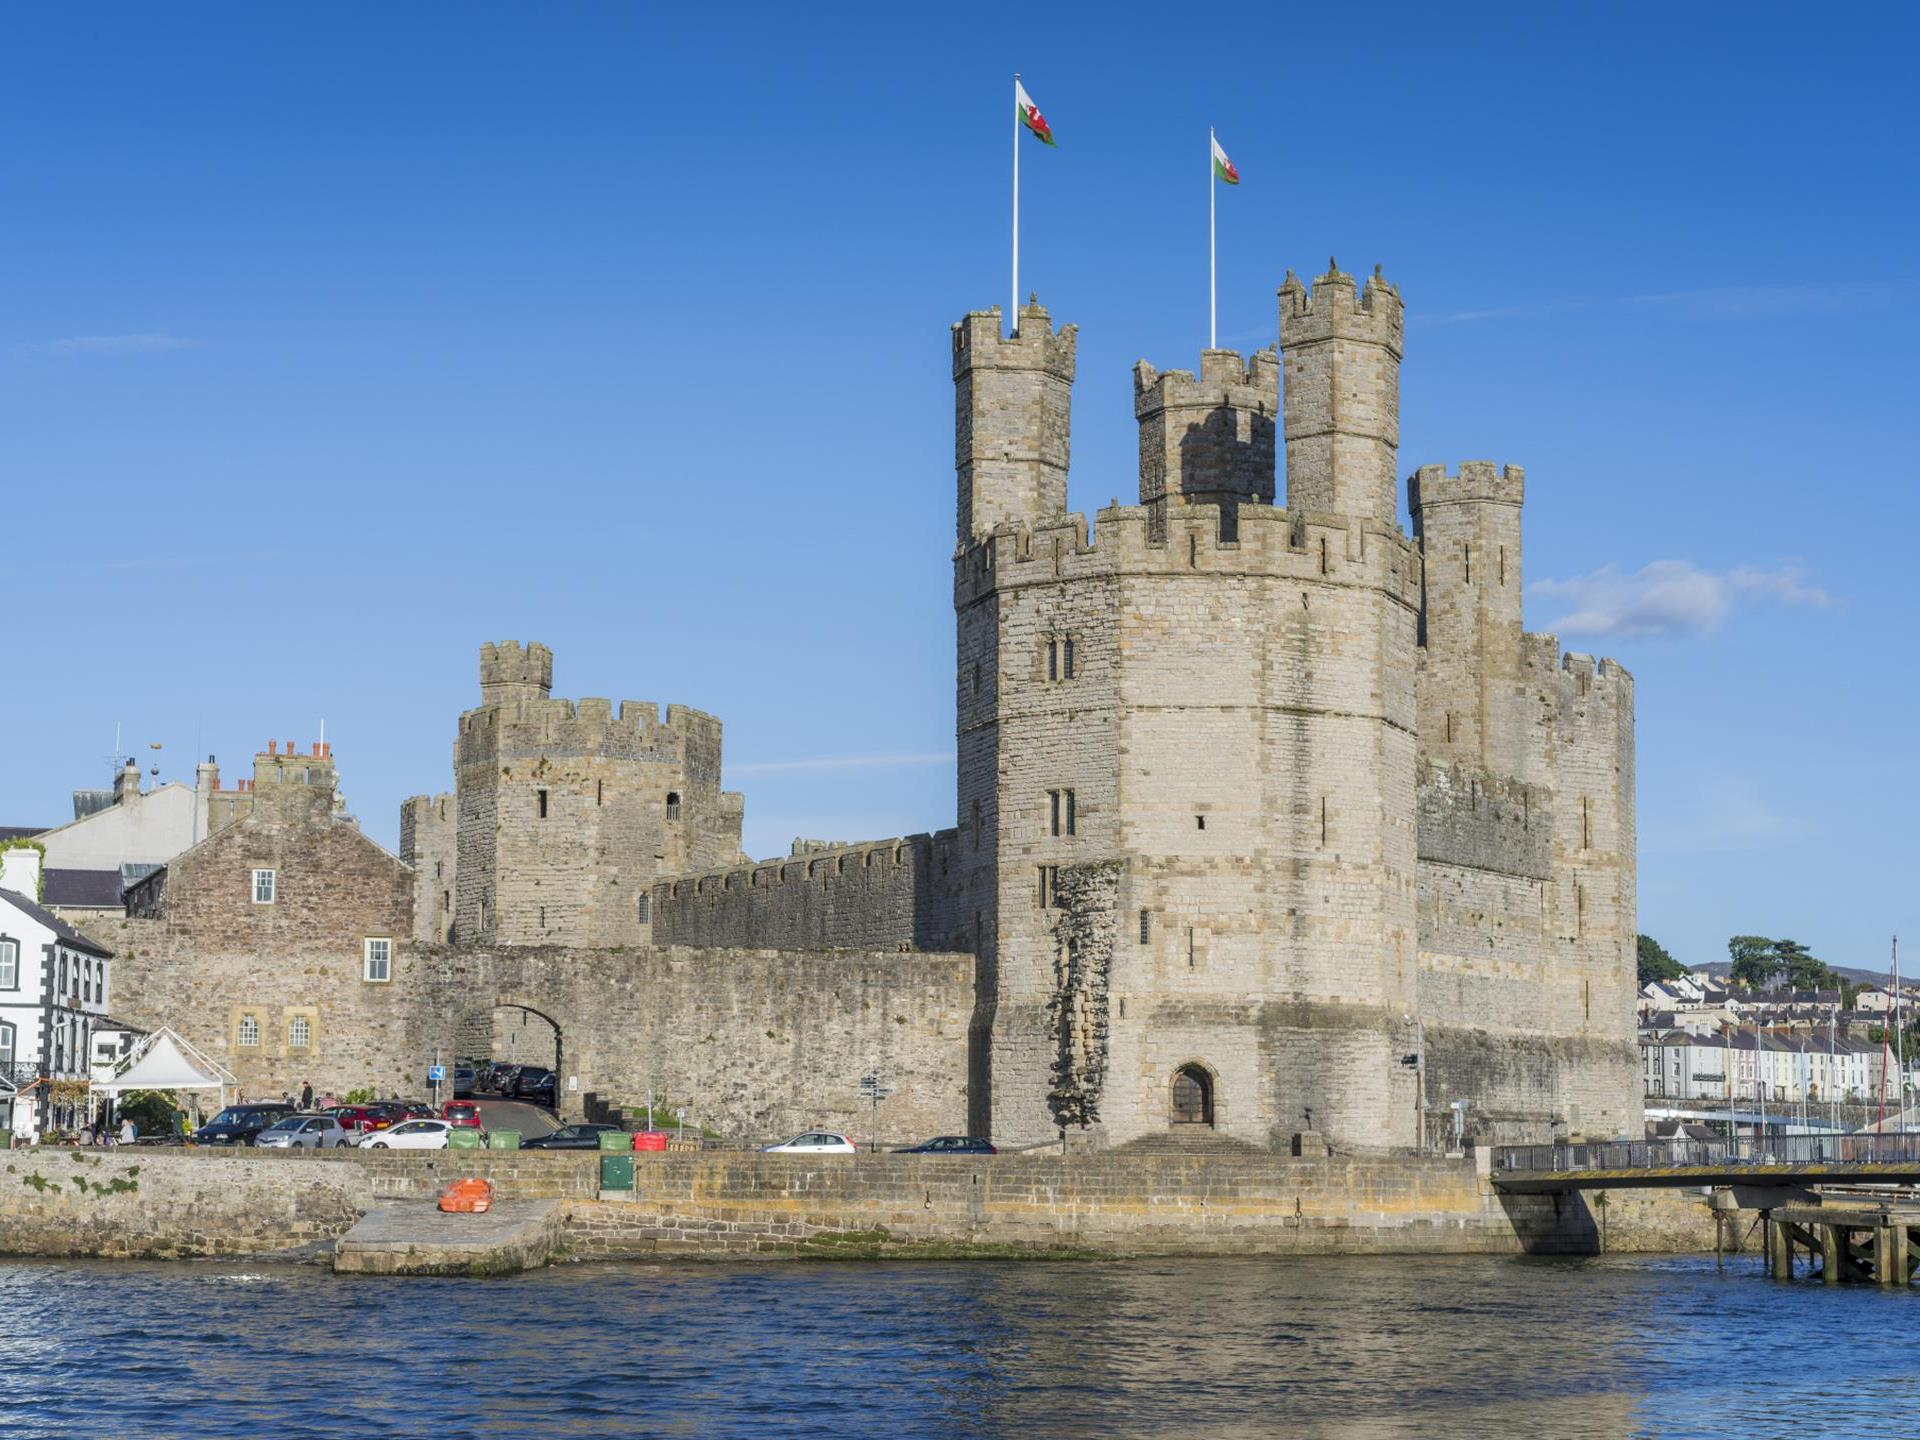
1477,480
821,864
1223,380
510,671
1270,543
1332,310
1034,345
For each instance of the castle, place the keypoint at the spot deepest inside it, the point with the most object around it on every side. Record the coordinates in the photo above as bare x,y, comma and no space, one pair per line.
1271,822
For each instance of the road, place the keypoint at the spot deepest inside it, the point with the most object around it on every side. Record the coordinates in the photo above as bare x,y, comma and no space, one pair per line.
529,1120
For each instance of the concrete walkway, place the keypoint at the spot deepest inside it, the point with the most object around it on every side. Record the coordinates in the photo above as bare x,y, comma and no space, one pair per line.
417,1238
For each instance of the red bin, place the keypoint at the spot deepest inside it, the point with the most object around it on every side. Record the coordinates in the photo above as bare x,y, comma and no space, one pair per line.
649,1139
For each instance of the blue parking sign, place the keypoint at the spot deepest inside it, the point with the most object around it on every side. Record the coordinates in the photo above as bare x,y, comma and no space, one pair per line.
436,1073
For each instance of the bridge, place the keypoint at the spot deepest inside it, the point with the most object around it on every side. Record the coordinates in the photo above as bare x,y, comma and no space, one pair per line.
1781,1163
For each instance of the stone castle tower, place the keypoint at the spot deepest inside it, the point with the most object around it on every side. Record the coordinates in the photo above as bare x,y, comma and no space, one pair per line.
1274,819
564,813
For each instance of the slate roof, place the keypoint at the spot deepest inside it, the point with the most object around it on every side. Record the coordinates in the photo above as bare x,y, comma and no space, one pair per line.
86,889
54,923
21,832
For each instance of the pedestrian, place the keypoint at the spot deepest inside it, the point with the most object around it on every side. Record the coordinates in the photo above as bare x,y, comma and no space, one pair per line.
306,1095
129,1132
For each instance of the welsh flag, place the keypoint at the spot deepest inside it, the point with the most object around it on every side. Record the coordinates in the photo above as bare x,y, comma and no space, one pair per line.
1223,167
1029,113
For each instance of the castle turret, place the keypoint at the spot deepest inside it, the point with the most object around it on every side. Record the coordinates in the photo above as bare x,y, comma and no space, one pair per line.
1468,527
1013,410
509,673
1341,352
1208,441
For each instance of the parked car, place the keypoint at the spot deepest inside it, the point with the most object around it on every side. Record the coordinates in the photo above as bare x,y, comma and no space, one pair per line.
814,1142
571,1137
465,1079
305,1132
461,1112
241,1124
410,1135
360,1119
418,1109
949,1145
503,1076
533,1082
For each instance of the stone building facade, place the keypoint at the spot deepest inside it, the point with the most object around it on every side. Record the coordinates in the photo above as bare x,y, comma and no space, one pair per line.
1269,820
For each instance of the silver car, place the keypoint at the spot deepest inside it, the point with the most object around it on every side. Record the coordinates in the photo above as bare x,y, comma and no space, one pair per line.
305,1132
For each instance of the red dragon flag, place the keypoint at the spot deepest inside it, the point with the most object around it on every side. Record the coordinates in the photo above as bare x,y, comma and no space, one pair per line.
1223,167
1029,113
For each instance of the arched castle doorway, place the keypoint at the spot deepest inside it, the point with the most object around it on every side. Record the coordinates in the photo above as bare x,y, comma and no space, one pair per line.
1192,1098
497,1038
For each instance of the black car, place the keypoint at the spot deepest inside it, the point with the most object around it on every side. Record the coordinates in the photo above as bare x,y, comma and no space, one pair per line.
241,1124
571,1137
533,1083
949,1145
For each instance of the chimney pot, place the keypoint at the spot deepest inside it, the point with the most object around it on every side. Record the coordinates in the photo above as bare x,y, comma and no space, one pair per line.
273,747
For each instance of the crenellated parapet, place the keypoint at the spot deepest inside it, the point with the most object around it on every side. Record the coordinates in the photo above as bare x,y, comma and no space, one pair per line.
511,672
1126,540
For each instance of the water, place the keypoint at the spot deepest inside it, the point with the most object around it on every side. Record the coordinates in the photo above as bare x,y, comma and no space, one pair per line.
1352,1348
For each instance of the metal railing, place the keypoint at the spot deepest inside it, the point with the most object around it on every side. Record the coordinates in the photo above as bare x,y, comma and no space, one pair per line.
1859,1149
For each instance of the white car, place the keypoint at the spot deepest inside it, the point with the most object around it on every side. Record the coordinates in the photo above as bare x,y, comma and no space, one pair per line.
814,1142
410,1135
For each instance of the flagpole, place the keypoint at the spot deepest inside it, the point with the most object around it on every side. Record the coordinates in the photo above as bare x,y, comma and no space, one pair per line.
1013,311
1213,326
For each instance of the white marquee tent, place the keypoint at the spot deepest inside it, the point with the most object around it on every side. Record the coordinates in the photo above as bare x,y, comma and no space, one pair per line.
165,1061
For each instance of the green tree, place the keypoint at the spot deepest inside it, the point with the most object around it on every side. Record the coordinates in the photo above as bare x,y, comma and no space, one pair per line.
1798,964
1654,963
1753,960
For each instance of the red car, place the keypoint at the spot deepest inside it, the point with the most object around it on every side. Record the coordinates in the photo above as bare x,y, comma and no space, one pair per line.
361,1120
461,1112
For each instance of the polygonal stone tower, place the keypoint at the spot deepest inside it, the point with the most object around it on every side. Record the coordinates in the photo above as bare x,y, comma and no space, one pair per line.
1343,395
1013,399
1208,441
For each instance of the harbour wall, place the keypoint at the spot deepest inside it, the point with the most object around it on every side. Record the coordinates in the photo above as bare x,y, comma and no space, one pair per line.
190,1203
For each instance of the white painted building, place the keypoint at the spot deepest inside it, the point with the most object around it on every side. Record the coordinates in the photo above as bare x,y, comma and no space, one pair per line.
54,983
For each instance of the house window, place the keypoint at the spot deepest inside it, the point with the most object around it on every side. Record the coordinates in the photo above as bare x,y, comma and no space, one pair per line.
673,805
299,1033
6,1044
643,909
263,887
542,797
379,961
9,964
249,1031
1060,808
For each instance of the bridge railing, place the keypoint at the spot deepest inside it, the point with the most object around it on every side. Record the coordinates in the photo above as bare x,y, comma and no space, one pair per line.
1867,1149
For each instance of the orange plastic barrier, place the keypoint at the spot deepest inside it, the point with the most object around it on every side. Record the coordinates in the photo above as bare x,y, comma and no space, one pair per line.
467,1197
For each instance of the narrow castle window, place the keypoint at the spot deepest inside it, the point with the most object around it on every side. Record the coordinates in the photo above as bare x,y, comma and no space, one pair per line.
1063,816
542,795
643,909
599,792
976,677
1466,560
1146,926
1066,657
1586,823
976,830
437,871
1053,659
1049,892
673,805
1199,822
1323,554
1323,819
1503,564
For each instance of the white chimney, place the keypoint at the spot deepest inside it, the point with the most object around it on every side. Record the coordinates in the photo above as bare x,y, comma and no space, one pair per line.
20,871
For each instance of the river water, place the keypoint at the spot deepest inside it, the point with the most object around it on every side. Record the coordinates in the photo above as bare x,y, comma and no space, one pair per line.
1354,1348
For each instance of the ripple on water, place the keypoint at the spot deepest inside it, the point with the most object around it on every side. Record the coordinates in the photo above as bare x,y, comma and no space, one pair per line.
1357,1348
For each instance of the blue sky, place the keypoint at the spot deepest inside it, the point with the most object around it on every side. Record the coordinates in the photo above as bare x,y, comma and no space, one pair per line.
337,340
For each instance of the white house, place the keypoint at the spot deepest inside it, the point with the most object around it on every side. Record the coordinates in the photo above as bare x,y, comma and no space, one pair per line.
53,992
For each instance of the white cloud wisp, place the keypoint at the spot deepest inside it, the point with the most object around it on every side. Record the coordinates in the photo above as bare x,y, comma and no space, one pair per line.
1670,598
